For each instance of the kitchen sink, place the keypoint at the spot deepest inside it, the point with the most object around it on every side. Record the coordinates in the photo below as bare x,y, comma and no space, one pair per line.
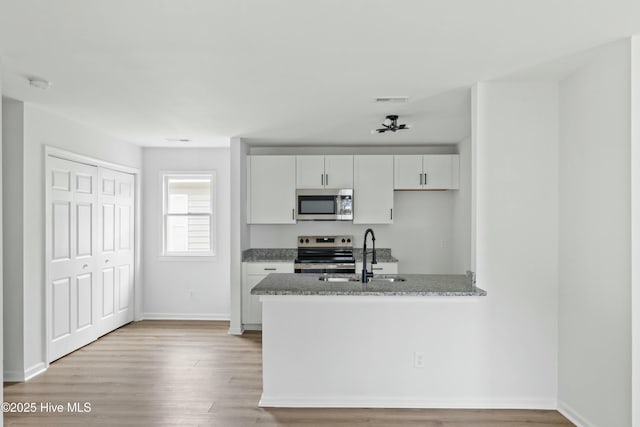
339,278
387,278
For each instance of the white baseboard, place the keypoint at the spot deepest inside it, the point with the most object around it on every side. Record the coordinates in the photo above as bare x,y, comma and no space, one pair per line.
186,316
572,415
236,331
409,402
36,369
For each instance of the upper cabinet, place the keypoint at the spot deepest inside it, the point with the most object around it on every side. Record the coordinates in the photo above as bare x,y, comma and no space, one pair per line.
373,189
426,172
271,189
324,172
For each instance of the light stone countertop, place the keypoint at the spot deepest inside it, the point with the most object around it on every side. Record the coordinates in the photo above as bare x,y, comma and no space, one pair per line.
290,254
415,285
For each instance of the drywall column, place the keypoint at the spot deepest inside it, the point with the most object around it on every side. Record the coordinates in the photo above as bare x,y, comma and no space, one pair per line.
1,263
239,229
12,222
514,136
594,323
461,233
635,231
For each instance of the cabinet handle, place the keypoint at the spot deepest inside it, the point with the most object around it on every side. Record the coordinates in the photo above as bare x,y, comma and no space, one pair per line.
378,268
425,179
293,213
391,212
321,179
270,269
326,179
420,178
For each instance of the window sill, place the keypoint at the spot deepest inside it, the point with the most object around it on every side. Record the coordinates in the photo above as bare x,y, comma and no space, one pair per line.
188,258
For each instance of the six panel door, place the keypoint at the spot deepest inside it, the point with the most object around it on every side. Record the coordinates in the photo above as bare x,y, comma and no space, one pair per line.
72,248
116,195
89,252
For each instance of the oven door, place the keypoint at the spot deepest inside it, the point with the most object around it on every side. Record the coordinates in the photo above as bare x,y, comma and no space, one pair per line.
322,205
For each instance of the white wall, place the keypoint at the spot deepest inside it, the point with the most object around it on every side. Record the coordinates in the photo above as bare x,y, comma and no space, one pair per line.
515,144
1,265
190,289
239,229
594,246
635,230
45,128
12,170
461,210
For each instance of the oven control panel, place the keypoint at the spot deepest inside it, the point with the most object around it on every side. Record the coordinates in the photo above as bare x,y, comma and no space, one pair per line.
325,241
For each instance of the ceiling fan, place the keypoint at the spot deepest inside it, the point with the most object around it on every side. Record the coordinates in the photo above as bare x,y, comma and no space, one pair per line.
390,124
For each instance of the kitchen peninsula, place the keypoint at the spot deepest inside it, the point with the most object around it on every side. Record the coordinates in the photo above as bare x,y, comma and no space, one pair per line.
332,341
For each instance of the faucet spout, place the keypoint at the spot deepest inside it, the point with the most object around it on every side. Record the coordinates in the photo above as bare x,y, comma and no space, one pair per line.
366,275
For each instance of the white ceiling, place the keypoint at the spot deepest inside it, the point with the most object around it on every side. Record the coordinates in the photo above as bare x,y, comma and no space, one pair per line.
285,71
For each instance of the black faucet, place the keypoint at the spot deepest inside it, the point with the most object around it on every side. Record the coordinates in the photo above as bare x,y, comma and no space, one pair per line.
365,274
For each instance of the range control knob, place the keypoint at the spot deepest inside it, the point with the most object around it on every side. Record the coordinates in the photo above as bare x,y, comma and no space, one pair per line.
343,240
348,240
306,240
301,240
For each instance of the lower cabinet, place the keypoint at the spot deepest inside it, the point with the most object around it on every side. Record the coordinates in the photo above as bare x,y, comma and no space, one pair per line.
252,274
379,268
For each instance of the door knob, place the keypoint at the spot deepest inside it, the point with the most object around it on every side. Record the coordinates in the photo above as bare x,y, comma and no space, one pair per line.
85,266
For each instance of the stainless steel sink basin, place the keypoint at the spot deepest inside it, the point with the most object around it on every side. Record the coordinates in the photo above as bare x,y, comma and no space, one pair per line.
339,278
387,278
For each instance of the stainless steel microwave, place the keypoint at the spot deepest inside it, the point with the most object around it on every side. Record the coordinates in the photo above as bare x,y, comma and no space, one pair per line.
324,205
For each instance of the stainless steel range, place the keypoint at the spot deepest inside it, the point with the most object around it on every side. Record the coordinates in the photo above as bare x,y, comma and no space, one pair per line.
325,254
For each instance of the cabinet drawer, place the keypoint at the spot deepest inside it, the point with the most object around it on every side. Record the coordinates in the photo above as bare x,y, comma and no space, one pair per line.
269,267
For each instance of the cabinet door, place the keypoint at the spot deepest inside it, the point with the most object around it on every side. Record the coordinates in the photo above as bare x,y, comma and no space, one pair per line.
338,171
310,172
251,306
408,172
272,189
439,171
252,273
373,189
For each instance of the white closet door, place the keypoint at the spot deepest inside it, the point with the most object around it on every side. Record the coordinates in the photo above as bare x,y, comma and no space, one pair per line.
71,254
116,252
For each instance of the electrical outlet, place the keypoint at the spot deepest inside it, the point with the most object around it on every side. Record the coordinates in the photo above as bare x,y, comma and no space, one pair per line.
190,294
418,360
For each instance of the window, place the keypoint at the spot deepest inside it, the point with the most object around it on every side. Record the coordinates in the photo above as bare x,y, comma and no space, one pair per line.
188,207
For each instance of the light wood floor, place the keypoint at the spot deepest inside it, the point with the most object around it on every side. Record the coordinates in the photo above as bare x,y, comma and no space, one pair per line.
157,373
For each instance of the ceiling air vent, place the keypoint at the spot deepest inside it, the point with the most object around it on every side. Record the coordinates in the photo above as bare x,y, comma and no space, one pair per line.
393,99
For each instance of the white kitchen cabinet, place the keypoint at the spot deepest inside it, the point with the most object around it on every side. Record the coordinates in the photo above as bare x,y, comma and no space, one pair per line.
272,189
426,172
379,268
373,189
339,171
252,274
324,171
